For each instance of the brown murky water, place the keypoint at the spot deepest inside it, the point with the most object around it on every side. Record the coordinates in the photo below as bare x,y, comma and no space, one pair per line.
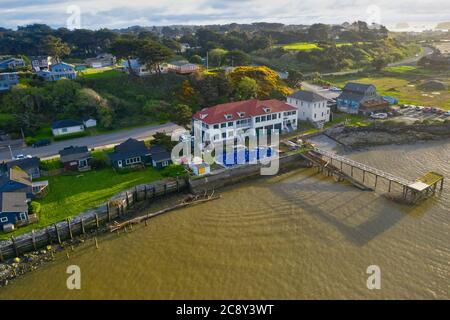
295,236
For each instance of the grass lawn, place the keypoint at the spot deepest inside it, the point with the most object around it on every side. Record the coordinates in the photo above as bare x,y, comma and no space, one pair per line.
350,120
402,83
306,46
100,73
301,46
71,194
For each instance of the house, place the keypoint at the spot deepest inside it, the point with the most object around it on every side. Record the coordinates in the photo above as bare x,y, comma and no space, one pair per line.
58,71
11,64
311,106
141,70
39,63
130,153
29,165
13,210
260,115
160,157
66,126
102,60
200,169
182,67
16,181
89,122
75,158
353,95
8,80
373,106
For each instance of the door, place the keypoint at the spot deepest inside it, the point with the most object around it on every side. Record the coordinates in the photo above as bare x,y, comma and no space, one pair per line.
119,163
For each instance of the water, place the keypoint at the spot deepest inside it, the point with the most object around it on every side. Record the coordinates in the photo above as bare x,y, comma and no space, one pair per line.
295,236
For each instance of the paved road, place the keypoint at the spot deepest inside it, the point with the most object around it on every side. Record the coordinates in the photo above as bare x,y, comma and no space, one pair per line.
91,141
413,60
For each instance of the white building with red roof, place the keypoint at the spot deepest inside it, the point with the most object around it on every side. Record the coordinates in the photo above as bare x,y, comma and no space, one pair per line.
255,114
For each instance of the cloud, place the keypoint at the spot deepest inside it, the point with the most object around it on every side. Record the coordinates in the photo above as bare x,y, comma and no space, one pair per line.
119,13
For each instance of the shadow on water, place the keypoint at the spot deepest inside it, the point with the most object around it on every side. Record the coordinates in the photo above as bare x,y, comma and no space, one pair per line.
340,205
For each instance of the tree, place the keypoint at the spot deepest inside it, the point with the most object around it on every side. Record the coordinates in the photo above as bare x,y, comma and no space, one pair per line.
237,58
247,88
181,114
379,63
217,57
196,59
162,139
126,48
55,47
152,54
294,78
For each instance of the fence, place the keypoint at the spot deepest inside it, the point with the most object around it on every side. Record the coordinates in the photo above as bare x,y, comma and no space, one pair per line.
92,219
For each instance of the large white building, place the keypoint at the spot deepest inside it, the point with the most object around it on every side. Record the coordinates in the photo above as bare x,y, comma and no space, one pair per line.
255,114
311,106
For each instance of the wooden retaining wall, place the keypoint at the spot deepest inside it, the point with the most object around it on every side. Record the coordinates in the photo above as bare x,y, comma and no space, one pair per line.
89,220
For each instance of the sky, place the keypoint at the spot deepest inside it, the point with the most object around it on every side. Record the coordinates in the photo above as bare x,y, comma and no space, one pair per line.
95,14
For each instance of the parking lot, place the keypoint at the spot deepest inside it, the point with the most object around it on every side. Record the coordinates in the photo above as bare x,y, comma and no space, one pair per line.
415,113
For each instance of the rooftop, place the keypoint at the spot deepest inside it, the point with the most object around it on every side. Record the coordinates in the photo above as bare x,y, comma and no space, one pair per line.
65,123
13,202
309,96
241,110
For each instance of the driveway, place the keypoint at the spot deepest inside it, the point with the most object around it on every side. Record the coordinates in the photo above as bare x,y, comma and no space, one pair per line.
103,140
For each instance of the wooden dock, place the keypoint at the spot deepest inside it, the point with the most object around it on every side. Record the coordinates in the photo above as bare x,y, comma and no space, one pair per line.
336,165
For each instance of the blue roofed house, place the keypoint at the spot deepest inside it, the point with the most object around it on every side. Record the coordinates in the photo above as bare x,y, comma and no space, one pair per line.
353,95
11,64
13,210
58,71
39,63
66,126
29,165
160,157
8,80
128,154
16,181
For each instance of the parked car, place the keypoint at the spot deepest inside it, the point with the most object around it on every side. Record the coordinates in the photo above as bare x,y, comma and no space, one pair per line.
379,116
447,113
21,156
335,89
41,143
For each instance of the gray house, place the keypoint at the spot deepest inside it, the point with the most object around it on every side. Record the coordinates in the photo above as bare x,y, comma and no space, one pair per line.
13,210
29,165
75,158
7,80
354,94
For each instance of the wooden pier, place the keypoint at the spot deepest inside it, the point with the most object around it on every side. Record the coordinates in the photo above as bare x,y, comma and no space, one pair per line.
335,165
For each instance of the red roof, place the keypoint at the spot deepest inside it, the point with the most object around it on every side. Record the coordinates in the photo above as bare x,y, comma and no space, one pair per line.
241,110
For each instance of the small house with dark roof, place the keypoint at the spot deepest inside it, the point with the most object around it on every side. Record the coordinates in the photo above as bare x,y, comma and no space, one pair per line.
29,165
160,157
66,126
13,209
312,107
354,94
75,158
130,153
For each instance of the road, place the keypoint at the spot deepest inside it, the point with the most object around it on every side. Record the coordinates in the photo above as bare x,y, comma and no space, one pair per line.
103,140
412,60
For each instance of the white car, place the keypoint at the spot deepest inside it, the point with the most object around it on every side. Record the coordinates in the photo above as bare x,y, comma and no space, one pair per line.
447,113
379,116
21,156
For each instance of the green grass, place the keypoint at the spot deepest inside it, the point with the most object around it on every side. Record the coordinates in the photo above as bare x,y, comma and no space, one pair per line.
350,120
402,83
102,73
71,194
301,46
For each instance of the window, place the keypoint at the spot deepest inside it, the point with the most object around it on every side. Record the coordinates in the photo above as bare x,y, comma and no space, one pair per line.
223,125
133,160
216,126
274,116
230,124
224,135
263,118
4,219
64,130
82,163
315,115
258,119
165,163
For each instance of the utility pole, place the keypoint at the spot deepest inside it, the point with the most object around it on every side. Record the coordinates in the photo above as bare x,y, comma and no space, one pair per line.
10,151
207,60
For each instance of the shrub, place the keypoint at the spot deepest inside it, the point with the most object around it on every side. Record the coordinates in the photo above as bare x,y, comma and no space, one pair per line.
98,163
51,164
34,207
71,136
173,170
